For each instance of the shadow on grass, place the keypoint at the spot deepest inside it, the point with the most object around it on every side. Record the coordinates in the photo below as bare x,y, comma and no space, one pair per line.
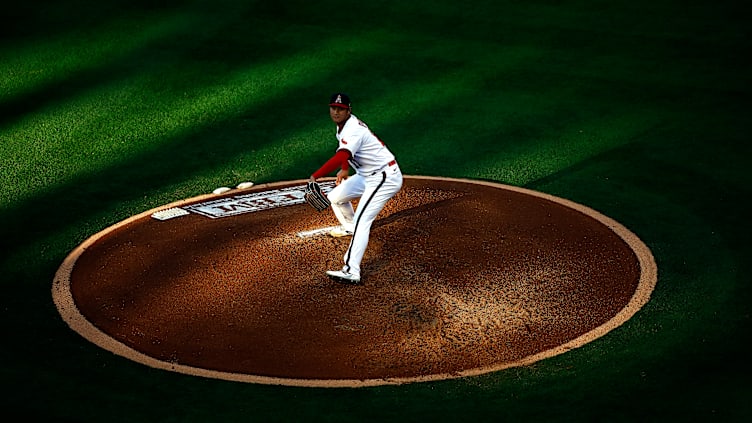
178,159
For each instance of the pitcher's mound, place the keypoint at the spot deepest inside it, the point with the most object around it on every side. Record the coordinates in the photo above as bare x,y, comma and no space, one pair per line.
460,278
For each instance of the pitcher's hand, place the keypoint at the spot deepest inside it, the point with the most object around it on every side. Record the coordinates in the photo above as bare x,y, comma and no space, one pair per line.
342,175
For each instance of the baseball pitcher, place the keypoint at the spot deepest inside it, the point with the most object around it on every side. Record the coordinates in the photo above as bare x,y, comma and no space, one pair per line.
377,179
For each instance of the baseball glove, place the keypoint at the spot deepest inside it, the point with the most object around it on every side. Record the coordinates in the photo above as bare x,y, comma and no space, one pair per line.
315,198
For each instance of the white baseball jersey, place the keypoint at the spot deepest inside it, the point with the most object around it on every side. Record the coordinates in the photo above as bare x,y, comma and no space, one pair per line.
368,153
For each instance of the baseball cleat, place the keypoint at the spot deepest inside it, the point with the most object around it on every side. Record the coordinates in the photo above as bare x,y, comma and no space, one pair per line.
339,233
343,277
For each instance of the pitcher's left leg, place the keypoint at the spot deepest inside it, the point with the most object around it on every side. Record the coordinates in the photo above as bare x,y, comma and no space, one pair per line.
341,197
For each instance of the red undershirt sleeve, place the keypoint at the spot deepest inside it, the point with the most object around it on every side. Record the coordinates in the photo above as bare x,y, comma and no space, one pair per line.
338,160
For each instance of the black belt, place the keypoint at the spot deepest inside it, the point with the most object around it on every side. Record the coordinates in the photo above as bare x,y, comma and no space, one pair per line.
392,163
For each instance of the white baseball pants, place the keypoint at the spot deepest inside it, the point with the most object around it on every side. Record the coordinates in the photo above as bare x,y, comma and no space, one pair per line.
374,190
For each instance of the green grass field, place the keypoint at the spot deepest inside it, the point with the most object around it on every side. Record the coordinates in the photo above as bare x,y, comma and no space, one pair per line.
638,109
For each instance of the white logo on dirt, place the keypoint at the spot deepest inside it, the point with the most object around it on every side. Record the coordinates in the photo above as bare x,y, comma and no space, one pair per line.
248,203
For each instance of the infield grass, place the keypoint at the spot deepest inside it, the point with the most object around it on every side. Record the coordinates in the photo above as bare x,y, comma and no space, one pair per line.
637,109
